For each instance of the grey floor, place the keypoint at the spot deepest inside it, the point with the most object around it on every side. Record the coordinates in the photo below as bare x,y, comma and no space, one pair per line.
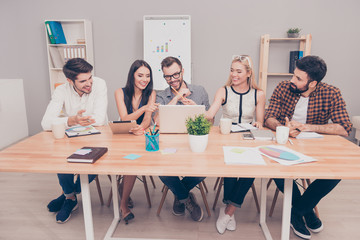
23,213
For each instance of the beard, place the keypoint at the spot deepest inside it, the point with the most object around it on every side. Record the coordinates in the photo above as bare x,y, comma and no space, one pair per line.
180,84
81,90
295,89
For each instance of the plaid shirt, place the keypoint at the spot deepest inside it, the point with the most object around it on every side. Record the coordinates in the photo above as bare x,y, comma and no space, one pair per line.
325,103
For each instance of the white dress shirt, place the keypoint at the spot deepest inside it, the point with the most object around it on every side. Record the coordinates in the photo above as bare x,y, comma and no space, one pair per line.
66,99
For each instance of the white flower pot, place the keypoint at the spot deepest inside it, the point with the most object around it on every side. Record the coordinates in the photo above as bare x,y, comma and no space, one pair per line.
198,143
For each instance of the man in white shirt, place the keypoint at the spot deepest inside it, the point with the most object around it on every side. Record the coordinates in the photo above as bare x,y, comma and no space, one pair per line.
82,100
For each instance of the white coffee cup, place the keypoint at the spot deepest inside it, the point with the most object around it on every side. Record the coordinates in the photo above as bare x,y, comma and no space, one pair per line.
225,125
282,134
58,129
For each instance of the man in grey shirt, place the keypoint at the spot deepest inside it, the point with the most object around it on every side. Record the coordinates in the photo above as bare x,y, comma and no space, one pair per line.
181,93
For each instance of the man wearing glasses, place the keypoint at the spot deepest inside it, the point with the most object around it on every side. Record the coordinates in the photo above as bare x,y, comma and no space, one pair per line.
181,93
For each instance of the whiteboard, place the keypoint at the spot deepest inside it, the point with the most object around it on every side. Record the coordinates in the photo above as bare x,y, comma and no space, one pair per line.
167,36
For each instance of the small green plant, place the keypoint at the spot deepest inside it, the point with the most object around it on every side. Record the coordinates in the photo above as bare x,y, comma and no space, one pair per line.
198,126
293,30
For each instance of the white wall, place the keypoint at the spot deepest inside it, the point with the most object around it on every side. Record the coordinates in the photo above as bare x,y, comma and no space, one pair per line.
13,120
220,29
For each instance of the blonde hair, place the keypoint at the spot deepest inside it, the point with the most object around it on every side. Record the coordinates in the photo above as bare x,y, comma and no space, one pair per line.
247,62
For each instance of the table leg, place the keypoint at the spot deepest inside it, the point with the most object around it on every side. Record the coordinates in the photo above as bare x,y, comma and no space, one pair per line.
285,230
116,219
86,201
263,224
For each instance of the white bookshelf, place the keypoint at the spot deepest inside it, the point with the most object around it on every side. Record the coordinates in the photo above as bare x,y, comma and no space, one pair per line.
74,30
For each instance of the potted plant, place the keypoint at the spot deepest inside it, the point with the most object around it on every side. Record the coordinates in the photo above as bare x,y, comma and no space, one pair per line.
198,129
293,32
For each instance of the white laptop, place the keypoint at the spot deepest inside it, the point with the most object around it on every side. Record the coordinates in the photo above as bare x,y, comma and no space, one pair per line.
173,117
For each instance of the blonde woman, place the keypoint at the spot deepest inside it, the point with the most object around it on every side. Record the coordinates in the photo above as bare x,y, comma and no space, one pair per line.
243,102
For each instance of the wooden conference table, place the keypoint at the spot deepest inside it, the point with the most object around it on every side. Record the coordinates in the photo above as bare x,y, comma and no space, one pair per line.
337,159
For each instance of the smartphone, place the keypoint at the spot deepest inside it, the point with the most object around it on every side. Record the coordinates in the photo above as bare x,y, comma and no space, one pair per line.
248,136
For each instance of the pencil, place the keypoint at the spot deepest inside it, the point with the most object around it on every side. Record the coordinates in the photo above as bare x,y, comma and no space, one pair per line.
154,128
177,93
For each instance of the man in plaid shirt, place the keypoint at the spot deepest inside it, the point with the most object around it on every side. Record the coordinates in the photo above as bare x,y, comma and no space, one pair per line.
306,104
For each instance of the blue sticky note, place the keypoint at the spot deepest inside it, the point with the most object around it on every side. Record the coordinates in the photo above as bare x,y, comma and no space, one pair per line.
132,156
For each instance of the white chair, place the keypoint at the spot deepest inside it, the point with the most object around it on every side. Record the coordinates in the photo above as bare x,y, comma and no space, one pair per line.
356,125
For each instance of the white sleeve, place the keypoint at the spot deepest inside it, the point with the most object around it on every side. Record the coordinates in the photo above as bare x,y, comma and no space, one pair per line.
100,104
53,110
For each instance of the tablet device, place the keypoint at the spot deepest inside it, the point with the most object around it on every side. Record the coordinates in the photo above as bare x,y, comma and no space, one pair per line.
118,127
173,117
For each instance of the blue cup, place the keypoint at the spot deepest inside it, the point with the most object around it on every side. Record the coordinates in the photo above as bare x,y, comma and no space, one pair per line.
152,142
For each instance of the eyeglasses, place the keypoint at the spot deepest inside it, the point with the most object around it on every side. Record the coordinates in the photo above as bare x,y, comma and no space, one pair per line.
242,58
174,76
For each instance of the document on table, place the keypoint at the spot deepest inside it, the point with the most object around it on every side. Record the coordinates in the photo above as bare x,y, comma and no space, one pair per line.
308,135
242,156
242,127
284,155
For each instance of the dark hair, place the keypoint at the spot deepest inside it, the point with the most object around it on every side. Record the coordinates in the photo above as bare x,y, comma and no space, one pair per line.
75,66
314,66
167,62
130,84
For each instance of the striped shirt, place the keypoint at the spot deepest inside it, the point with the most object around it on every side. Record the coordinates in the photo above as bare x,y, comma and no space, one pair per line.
325,103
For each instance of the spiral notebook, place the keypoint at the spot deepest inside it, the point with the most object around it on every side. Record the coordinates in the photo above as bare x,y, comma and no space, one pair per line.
81,131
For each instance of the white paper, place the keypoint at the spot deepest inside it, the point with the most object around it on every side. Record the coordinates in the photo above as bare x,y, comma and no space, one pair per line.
308,135
83,151
303,158
243,156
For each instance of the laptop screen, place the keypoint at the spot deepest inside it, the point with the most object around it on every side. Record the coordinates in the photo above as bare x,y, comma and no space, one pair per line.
173,117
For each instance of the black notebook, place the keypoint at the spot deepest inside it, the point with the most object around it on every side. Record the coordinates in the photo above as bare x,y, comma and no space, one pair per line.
87,154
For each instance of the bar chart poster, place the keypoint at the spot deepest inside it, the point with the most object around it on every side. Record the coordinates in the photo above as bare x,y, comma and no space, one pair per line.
167,36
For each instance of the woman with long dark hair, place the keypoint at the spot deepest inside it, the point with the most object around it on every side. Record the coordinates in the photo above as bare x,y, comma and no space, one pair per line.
136,101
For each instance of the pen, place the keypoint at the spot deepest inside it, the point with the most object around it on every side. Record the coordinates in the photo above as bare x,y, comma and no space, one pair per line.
291,142
154,127
297,129
177,93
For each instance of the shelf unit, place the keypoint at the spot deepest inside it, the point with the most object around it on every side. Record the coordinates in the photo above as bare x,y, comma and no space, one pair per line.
304,45
78,34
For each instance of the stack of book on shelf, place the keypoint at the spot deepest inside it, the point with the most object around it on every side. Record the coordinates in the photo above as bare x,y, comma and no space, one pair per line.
294,56
55,32
74,52
60,55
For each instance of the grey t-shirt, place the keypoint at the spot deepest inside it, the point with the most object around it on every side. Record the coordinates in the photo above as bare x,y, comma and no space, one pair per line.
198,95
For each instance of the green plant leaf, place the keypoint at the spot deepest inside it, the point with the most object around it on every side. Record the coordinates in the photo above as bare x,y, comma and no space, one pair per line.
293,30
198,125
